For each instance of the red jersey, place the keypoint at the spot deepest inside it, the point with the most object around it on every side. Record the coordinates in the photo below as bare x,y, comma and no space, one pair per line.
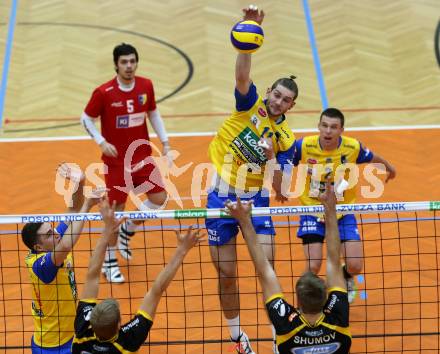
123,116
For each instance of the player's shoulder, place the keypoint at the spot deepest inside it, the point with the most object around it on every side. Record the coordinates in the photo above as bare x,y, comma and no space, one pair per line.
350,143
310,141
107,86
143,81
32,257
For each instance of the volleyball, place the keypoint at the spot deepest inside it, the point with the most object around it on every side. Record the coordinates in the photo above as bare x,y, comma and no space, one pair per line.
247,36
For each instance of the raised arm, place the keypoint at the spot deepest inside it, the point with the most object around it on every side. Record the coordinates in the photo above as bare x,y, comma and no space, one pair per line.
243,62
266,275
109,234
335,276
71,236
184,244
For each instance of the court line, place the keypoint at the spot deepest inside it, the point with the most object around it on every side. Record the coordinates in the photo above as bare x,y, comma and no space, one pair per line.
227,114
7,57
437,43
202,134
316,61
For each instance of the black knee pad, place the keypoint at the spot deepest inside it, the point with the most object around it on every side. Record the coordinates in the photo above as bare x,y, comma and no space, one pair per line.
312,238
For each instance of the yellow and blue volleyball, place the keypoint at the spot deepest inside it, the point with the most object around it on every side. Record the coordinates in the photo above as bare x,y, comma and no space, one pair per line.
247,36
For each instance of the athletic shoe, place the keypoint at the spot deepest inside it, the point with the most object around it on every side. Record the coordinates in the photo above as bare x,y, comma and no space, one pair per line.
351,289
113,274
243,346
124,242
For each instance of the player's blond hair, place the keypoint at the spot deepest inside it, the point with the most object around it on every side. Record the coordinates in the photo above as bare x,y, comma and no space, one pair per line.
105,319
311,292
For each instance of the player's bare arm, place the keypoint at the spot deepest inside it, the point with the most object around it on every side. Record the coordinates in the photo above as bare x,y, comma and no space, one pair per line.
335,276
391,171
71,236
109,234
89,125
243,63
241,211
185,241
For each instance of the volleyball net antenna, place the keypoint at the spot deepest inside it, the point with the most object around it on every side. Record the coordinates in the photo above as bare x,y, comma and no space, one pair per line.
397,308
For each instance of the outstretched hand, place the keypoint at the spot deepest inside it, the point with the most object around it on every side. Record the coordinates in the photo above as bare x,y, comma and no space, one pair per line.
267,145
71,171
391,172
95,196
190,239
251,13
108,216
239,210
328,197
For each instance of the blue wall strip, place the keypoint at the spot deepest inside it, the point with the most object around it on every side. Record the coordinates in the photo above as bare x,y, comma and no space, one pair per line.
7,58
316,61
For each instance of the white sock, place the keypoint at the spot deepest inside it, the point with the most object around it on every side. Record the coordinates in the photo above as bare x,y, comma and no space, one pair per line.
110,257
234,327
274,333
147,205
130,226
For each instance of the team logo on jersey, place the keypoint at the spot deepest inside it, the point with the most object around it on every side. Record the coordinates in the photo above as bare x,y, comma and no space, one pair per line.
255,121
312,161
130,120
323,348
122,121
262,112
247,145
142,99
117,104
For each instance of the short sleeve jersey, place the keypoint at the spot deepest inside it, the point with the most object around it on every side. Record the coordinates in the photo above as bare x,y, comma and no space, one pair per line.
330,334
234,151
129,339
123,116
319,163
54,296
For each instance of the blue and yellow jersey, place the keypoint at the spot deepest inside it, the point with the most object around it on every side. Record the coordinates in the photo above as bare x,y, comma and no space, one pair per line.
54,296
321,163
234,151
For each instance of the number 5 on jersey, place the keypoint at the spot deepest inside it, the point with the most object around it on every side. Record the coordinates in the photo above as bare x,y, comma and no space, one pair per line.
130,106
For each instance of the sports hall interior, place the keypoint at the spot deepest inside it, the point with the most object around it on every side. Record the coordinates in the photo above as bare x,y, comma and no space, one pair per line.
375,60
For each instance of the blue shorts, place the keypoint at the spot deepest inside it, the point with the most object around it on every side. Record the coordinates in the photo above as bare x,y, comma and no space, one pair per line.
222,230
66,348
348,231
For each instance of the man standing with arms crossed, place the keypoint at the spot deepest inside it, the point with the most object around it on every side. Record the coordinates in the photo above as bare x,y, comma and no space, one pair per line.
122,105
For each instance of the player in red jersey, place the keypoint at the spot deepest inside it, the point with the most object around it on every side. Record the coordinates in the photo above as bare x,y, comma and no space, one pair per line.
122,105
